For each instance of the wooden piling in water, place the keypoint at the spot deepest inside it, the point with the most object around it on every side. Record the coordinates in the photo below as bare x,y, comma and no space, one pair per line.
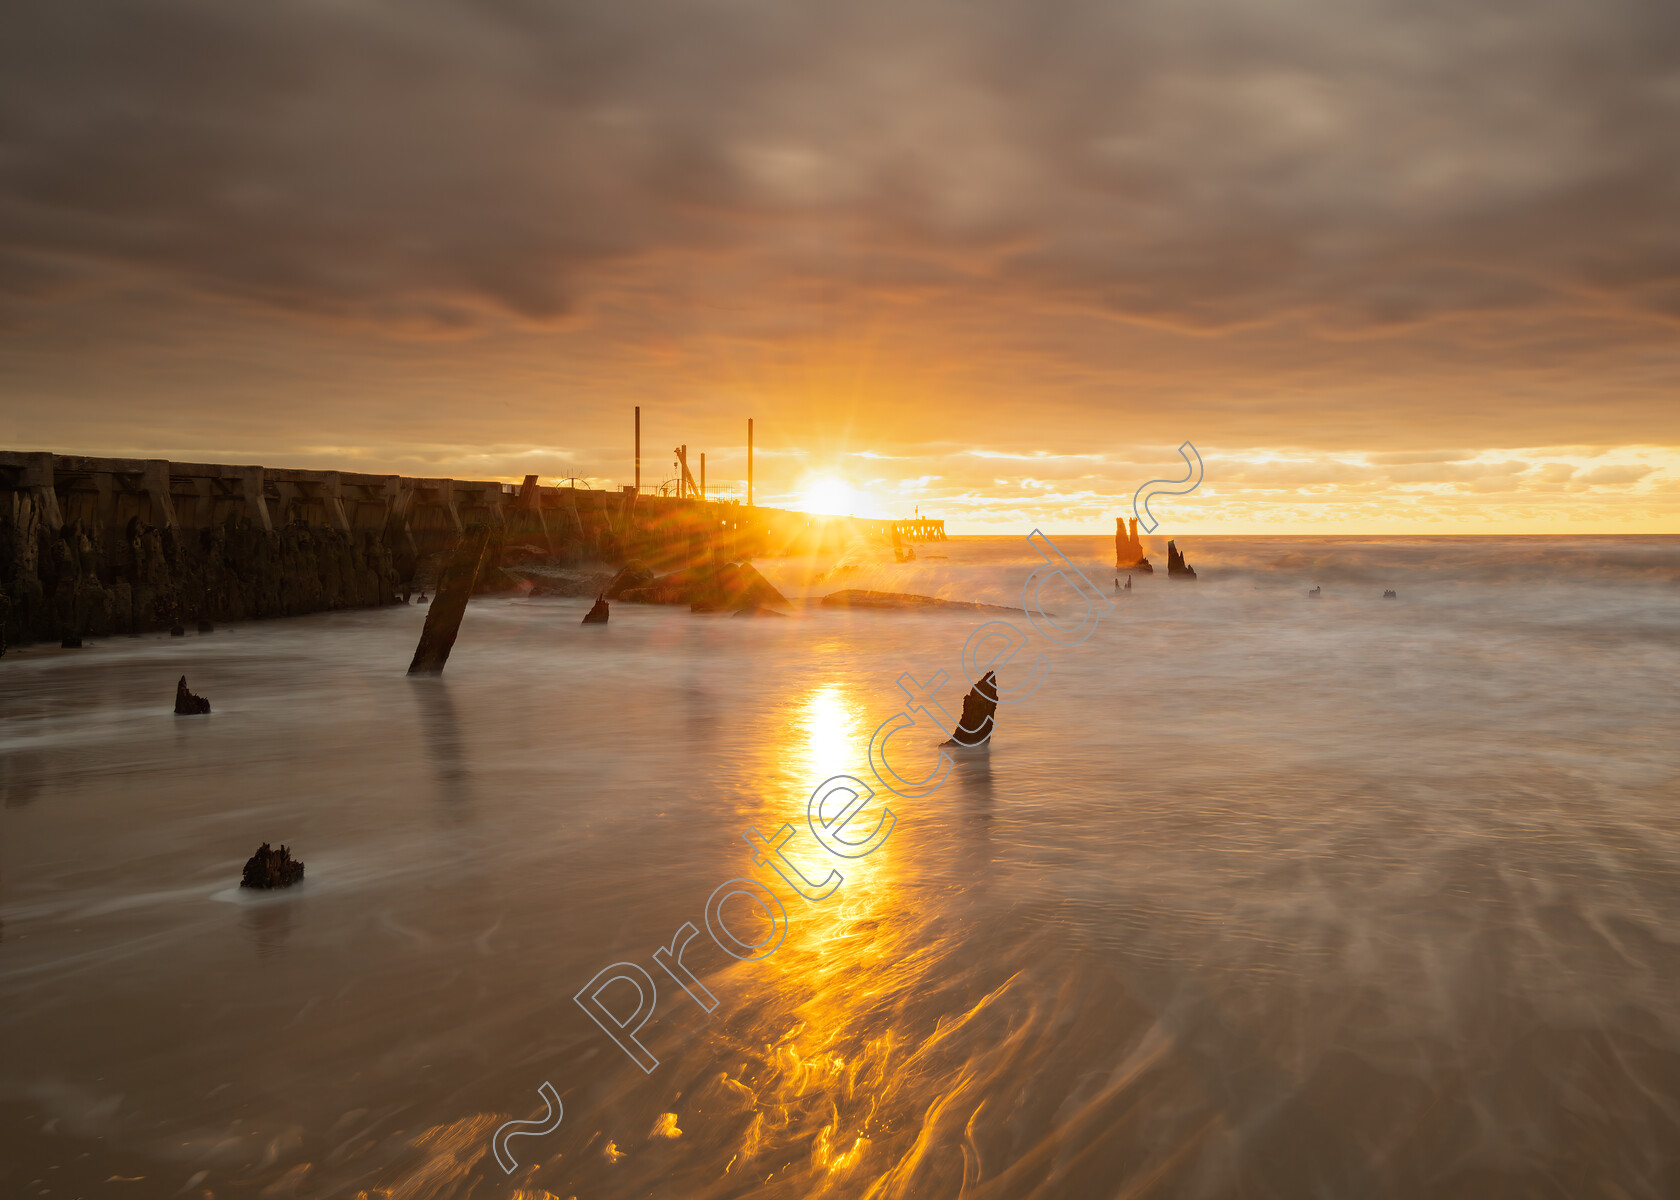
449,604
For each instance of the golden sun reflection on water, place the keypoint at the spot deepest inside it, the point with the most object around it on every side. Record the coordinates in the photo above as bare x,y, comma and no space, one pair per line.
825,1052
833,740
830,724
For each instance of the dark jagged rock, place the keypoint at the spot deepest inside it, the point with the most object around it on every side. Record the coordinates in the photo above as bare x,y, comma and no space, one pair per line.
631,575
177,630
270,868
1391,595
204,625
739,585
523,553
1177,568
975,725
713,587
842,571
757,610
187,704
70,642
857,598
1128,548
598,614
516,580
421,599
572,584
1316,591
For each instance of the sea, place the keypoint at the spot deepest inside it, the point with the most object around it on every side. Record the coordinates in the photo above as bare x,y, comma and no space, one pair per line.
1257,893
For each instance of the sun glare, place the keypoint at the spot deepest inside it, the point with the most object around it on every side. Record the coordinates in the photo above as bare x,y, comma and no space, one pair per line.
830,497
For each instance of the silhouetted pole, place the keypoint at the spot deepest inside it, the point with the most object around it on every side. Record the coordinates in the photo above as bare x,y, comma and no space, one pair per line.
702,477
449,605
685,478
749,462
638,449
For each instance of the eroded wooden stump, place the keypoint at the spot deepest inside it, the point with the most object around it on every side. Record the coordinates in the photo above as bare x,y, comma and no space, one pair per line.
270,868
449,602
186,703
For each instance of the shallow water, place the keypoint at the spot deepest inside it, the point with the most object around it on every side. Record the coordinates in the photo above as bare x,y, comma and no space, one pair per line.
1257,895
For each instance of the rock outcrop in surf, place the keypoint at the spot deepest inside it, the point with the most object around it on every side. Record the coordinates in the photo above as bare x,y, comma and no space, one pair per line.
633,574
1177,568
598,614
858,598
713,587
1128,549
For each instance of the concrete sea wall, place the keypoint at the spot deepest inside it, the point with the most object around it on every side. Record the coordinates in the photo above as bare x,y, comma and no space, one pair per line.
102,546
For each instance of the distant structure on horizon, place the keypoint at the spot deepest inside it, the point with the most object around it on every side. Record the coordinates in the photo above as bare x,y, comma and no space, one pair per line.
1128,550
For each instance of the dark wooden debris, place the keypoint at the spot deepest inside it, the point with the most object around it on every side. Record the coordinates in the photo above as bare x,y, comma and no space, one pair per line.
449,604
974,727
187,704
270,868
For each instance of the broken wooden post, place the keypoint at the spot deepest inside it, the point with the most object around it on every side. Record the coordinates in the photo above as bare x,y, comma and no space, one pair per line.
530,504
270,868
449,602
186,703
974,727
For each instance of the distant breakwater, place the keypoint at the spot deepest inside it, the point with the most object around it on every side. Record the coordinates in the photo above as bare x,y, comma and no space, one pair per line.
103,546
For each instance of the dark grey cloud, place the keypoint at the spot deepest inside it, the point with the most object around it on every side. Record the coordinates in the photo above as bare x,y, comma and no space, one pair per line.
1209,164
1323,198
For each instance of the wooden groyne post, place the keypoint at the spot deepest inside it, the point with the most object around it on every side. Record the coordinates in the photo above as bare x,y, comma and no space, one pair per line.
449,605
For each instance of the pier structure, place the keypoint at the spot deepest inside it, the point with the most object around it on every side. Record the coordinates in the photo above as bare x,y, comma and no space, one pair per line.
119,545
920,530
428,513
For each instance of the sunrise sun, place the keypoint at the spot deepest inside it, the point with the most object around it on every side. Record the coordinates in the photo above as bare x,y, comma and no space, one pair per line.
829,496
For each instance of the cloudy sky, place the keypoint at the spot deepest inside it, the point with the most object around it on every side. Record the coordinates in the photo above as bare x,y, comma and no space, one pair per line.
1391,266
